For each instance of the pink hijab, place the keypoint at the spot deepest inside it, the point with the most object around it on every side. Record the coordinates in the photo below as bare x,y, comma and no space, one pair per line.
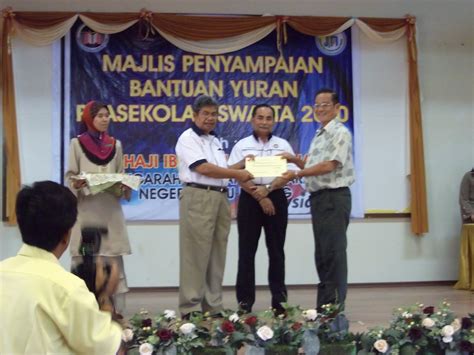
99,147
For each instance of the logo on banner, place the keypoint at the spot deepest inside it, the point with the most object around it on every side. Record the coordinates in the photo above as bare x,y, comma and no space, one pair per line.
89,40
332,45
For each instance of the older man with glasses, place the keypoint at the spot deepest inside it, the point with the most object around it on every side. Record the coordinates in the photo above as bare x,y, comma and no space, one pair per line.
204,211
328,172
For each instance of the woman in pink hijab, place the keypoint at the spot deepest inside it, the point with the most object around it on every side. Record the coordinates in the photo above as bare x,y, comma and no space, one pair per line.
95,151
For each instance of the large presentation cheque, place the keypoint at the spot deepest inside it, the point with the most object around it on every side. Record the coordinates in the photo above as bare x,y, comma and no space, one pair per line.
98,182
266,166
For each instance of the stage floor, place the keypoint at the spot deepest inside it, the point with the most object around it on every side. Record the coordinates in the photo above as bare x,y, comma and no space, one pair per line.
366,306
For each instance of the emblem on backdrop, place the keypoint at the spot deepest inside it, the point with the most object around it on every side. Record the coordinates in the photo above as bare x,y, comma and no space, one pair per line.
332,45
91,41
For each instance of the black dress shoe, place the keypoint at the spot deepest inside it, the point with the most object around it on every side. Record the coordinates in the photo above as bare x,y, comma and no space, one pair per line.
187,316
244,308
280,312
217,315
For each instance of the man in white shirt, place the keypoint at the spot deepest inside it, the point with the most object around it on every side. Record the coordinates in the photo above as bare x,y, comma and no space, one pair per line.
45,309
328,172
204,211
262,203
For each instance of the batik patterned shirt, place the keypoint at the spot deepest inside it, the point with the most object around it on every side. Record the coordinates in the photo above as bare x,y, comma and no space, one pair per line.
333,142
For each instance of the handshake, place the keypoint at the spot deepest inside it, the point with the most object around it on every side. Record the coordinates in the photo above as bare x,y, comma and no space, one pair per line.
101,277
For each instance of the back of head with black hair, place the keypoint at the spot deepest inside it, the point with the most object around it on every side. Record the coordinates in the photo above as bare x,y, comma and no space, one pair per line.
334,95
254,111
46,211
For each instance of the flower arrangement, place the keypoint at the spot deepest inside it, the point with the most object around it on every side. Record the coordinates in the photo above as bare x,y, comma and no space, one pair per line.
228,332
327,332
167,334
419,329
282,333
413,330
192,335
148,335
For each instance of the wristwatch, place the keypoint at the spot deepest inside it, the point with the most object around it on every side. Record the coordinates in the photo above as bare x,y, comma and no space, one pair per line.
268,187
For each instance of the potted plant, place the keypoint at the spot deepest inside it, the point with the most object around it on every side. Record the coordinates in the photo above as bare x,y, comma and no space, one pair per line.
421,330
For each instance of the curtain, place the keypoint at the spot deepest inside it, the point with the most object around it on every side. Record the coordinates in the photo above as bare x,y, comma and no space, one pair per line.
208,35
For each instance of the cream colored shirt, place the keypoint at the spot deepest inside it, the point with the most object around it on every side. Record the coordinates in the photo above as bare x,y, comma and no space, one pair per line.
101,210
333,142
46,310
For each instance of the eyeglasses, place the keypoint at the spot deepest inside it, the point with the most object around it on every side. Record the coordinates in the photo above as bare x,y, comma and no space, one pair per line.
206,113
324,105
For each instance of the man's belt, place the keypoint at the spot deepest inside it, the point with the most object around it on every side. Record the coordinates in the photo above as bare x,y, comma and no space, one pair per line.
207,187
328,190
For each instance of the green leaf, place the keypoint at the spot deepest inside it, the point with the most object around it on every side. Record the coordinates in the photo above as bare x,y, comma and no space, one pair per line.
367,342
393,333
408,350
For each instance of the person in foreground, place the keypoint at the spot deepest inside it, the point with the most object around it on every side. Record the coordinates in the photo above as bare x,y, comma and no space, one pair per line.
204,211
45,309
328,173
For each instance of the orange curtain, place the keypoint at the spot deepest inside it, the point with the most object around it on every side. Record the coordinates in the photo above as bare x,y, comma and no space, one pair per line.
419,209
198,28
418,204
12,158
316,26
384,24
40,20
209,27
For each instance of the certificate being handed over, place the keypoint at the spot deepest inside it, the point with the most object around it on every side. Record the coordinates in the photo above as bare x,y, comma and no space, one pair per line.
266,166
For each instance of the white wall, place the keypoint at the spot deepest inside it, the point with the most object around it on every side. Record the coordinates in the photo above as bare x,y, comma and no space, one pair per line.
379,250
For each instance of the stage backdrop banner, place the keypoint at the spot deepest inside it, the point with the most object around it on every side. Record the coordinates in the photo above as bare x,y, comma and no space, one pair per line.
150,85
